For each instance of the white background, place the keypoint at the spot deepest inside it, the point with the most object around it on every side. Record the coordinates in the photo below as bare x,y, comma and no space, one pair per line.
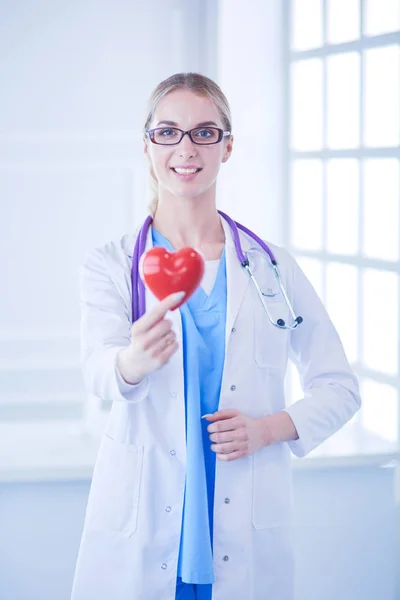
75,80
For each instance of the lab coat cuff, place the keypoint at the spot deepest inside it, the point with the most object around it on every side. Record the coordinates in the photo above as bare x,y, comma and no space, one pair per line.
299,446
131,392
103,379
121,390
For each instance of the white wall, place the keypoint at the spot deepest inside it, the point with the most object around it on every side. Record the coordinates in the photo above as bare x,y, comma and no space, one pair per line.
75,76
250,61
72,175
75,79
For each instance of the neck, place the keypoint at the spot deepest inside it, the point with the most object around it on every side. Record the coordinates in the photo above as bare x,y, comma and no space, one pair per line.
192,222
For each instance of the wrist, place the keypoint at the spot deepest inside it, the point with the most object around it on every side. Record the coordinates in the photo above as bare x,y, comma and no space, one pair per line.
279,428
124,367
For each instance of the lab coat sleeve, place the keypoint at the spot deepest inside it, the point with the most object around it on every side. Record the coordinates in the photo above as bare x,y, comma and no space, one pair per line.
105,330
330,387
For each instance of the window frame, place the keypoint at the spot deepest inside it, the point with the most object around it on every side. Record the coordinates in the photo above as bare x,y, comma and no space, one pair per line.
361,153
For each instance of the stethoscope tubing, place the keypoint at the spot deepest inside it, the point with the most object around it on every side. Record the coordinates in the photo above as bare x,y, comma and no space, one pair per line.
138,289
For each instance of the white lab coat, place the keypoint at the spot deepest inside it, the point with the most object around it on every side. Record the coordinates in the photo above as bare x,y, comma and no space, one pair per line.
130,543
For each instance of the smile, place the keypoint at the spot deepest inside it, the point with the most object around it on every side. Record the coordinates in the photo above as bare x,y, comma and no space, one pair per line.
182,171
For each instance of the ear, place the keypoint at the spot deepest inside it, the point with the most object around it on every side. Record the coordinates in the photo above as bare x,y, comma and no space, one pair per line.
228,149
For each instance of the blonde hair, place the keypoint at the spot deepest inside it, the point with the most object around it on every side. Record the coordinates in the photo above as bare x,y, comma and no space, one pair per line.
194,82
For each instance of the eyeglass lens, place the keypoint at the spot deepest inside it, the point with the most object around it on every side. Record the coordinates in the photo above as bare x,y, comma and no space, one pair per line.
201,135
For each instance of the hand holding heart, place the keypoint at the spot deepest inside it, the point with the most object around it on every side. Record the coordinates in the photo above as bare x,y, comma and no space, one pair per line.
152,342
172,277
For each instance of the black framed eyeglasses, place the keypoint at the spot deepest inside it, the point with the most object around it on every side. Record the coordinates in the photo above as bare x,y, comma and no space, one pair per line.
170,136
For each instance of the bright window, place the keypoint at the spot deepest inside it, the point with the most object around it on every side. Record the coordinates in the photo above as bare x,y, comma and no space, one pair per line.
342,224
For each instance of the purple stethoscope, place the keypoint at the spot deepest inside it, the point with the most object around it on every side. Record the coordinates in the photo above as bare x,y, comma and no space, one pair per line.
138,298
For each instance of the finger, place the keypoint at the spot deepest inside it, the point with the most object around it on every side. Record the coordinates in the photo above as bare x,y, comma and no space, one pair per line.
222,414
158,312
154,335
228,447
232,456
225,425
228,436
164,356
161,344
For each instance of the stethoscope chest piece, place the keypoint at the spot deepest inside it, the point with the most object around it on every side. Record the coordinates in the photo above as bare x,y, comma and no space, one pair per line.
266,291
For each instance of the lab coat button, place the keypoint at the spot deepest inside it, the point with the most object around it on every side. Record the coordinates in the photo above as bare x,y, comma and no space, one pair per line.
163,566
227,500
173,394
168,509
226,558
172,452
233,388
233,329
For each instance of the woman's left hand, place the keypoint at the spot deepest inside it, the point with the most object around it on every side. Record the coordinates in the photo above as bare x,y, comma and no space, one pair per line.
235,435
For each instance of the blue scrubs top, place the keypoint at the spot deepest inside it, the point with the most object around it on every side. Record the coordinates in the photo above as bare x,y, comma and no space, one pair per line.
203,332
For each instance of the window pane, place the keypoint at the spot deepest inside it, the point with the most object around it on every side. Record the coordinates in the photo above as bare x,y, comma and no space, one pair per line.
306,110
342,206
381,16
379,409
306,205
382,96
341,29
306,24
381,209
380,320
342,304
343,97
313,270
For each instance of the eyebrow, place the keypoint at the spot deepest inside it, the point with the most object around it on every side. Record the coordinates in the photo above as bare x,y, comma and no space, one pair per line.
173,124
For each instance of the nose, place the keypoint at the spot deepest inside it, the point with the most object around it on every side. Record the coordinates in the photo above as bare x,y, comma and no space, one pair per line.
186,148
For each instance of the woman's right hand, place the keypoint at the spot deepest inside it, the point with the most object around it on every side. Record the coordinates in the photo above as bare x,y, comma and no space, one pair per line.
152,342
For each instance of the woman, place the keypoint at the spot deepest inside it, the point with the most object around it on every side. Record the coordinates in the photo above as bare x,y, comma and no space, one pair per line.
165,519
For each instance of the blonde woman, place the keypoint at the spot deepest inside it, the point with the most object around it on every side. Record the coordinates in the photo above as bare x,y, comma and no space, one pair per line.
191,495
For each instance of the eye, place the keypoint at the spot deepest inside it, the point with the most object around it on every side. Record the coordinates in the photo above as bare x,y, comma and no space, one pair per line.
165,132
205,133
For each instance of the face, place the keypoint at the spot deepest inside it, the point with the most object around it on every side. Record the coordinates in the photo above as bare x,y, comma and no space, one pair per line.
186,110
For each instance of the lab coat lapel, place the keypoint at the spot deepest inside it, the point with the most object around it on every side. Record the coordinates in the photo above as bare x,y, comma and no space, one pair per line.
237,278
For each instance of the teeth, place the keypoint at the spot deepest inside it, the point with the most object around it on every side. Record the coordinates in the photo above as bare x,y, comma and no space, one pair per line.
185,171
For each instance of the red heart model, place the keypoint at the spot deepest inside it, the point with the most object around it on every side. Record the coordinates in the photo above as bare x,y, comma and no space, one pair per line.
167,272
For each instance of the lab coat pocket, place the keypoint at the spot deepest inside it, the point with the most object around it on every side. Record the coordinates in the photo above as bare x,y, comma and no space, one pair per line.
114,495
270,342
272,487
